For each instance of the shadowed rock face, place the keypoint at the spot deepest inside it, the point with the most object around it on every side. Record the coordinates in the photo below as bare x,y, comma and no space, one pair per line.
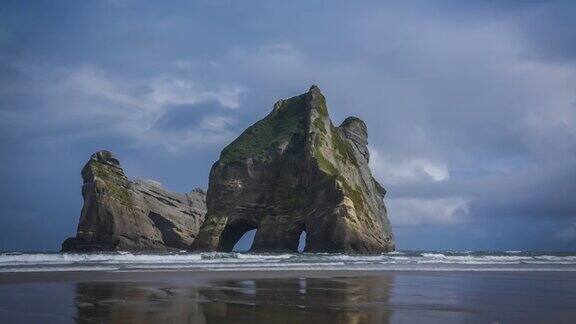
294,171
119,214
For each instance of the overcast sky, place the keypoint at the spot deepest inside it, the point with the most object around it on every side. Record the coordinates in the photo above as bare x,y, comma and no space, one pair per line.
470,106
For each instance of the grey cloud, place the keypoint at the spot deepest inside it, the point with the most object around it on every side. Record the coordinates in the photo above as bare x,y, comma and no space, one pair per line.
469,104
547,29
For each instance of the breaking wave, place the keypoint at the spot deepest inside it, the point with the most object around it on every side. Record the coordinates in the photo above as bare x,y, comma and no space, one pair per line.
216,261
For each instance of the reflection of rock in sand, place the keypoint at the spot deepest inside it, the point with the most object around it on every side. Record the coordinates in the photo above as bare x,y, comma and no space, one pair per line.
345,300
135,303
340,300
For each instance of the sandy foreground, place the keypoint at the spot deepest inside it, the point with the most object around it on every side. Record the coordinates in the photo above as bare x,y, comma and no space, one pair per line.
288,297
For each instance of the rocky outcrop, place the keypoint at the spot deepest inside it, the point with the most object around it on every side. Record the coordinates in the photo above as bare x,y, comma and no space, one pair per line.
294,171
123,215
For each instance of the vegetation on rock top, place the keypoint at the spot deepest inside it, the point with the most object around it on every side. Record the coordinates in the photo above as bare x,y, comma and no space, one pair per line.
280,125
114,183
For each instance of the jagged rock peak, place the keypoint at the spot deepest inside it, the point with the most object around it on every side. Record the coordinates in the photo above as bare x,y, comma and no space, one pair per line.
139,215
314,88
355,130
293,171
106,157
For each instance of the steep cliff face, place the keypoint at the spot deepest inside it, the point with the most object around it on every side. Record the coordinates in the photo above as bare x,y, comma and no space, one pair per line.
294,171
119,214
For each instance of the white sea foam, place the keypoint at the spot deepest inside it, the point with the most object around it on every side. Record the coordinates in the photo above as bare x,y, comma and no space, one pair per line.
395,253
403,260
263,256
121,257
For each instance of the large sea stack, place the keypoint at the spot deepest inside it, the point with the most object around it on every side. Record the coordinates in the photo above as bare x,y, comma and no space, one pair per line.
123,215
294,171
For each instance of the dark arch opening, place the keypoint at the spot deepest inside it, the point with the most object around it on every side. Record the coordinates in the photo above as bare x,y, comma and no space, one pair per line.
233,232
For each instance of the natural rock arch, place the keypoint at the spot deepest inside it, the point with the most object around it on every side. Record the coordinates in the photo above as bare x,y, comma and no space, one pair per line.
294,168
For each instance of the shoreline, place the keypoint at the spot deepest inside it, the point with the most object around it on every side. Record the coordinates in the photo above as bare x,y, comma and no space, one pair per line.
203,276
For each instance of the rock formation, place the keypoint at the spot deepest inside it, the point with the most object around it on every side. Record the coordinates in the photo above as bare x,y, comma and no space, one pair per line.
293,171
123,215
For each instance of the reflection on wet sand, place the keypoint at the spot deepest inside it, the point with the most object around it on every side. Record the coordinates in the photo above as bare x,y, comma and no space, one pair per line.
291,300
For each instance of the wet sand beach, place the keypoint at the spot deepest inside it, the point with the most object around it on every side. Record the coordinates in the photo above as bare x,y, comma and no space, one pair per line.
288,297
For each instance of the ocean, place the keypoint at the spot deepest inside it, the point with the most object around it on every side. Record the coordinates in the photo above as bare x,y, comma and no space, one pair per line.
215,261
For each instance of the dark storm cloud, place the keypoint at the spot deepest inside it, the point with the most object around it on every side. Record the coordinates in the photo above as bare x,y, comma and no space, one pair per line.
548,29
470,106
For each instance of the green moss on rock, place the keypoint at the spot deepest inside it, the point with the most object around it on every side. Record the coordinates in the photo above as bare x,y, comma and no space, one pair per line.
325,165
354,194
342,148
114,183
278,126
319,124
320,105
